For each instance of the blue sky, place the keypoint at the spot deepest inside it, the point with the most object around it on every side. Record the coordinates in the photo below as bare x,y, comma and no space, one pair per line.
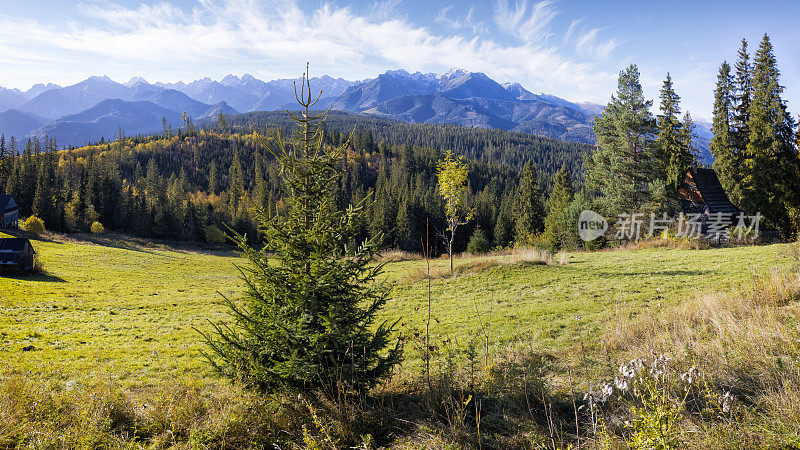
573,49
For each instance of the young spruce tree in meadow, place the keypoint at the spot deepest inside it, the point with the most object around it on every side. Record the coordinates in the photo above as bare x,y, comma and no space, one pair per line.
307,321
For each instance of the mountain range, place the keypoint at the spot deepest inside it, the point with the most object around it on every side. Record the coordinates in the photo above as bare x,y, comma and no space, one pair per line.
98,106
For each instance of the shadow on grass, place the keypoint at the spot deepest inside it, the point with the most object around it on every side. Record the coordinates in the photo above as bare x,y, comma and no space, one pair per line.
38,277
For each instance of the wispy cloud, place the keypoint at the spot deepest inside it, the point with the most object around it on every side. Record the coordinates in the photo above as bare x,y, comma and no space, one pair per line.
588,42
527,24
468,22
275,38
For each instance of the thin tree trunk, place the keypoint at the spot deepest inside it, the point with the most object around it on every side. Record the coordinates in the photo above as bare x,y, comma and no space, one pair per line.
452,238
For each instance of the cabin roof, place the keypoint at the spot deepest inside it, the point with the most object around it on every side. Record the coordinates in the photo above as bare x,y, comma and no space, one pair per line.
706,183
7,204
11,249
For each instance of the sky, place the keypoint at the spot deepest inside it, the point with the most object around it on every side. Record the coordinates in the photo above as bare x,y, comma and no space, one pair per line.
569,48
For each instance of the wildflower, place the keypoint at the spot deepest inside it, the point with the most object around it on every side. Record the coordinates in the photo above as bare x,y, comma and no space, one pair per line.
621,383
607,391
690,375
726,401
659,364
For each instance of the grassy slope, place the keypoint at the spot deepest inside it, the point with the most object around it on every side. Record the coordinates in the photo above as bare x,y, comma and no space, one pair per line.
128,313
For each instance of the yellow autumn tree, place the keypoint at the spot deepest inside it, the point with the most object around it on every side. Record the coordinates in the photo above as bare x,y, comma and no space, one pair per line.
453,188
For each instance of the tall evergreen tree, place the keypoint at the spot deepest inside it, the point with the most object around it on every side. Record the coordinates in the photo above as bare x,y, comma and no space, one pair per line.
308,322
559,231
528,209
771,179
723,147
742,92
673,155
620,168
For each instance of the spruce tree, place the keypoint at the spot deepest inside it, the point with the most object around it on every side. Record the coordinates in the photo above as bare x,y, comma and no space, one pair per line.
528,209
742,92
723,147
307,320
620,168
673,155
559,231
771,178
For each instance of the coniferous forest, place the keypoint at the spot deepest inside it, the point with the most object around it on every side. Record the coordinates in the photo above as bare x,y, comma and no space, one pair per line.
195,182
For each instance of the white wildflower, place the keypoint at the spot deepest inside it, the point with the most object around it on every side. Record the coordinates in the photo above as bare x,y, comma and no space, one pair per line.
690,375
726,401
621,383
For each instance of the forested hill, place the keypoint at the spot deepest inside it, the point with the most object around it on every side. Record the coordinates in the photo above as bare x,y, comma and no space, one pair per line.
191,183
486,145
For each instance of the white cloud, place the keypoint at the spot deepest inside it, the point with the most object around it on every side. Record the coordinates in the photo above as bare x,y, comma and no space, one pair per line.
275,38
587,42
467,22
529,26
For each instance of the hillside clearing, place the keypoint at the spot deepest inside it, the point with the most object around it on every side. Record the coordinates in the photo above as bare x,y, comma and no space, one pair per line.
127,314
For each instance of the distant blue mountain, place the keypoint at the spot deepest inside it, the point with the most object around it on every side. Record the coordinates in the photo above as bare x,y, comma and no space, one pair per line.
468,99
457,97
55,103
106,118
19,124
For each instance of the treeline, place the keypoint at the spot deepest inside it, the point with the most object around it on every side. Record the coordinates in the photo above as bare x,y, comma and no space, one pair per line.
641,159
754,144
193,184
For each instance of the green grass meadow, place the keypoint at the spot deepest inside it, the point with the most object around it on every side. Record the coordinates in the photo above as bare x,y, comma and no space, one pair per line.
127,312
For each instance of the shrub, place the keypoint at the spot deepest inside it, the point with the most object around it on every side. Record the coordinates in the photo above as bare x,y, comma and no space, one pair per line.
34,225
97,228
595,244
214,235
478,243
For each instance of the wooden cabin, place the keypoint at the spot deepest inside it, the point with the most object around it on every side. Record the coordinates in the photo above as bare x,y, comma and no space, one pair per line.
9,212
17,256
701,192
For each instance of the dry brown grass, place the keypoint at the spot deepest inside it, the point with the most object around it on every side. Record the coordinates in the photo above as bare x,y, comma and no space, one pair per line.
657,242
398,255
747,343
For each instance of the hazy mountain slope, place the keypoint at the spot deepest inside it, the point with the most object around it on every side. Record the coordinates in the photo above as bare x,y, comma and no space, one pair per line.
56,103
105,119
215,110
11,98
38,88
167,98
19,124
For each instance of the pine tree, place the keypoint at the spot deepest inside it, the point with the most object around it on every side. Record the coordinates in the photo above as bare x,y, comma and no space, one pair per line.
689,153
742,92
771,178
213,178
528,209
42,198
621,167
727,159
673,156
308,320
559,231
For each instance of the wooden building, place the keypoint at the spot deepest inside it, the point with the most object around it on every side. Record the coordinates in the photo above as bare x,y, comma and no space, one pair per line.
17,256
9,212
701,192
